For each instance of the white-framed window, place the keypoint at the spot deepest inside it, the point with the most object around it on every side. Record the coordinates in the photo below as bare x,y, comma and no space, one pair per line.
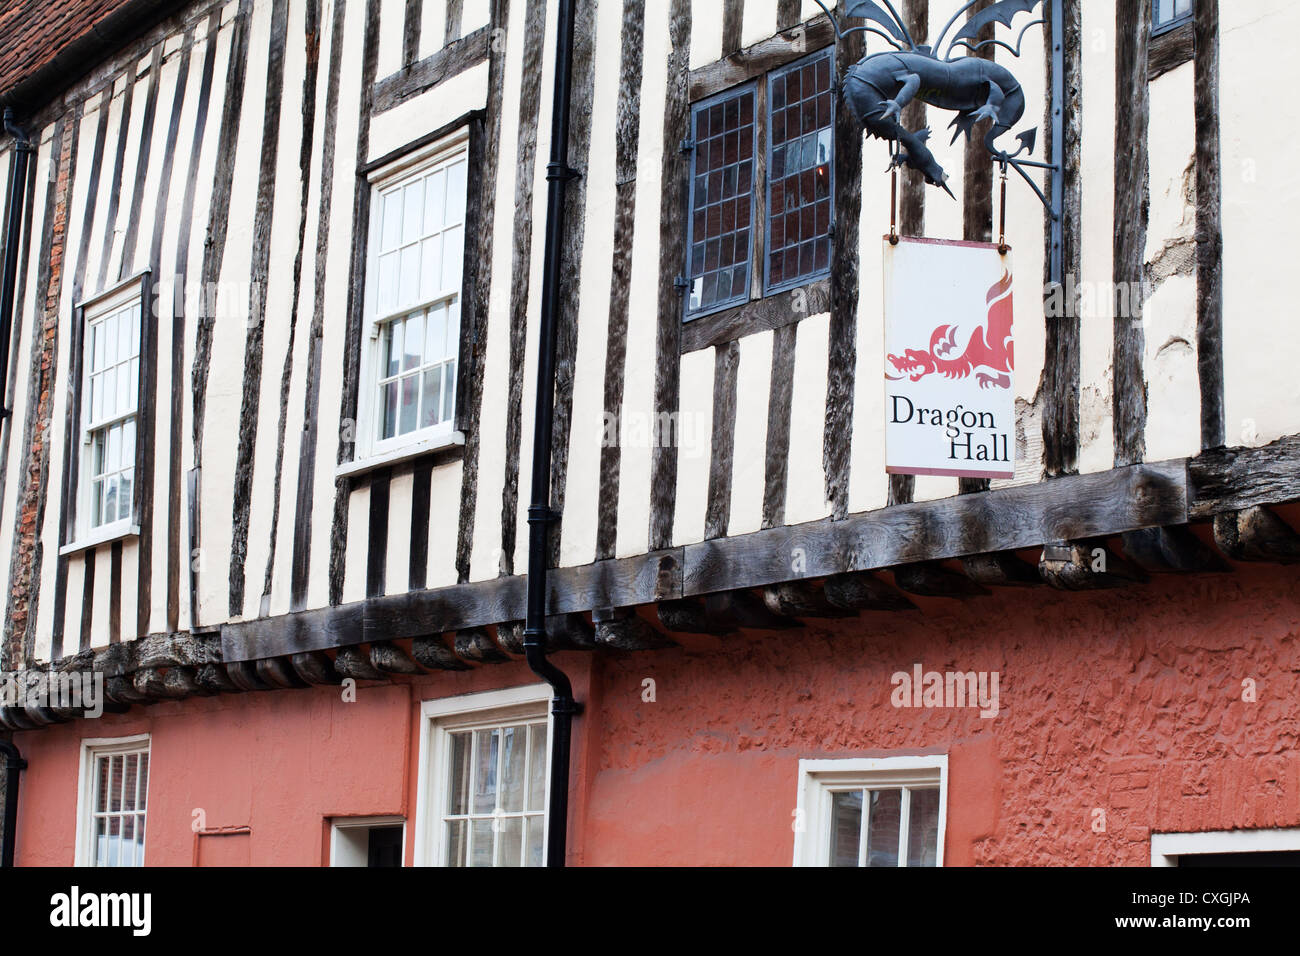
882,811
414,272
1218,848
367,841
109,400
484,766
112,801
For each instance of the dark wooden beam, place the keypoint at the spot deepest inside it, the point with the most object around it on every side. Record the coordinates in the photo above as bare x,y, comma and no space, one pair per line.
387,657
433,653
422,76
1256,534
355,663
279,672
245,677
931,579
1059,387
315,667
688,616
1000,569
1008,519
1131,208
563,632
475,644
1209,225
1232,479
742,608
863,591
214,678
1157,550
1085,566
801,599
761,58
1171,49
622,629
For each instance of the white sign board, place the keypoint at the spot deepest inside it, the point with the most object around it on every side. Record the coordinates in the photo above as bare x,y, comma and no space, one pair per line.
950,406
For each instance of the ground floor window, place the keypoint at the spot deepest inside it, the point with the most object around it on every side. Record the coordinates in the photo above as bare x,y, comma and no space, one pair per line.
883,811
1273,847
112,803
367,841
484,769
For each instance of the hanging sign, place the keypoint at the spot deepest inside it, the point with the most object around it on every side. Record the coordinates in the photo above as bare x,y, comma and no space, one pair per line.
949,381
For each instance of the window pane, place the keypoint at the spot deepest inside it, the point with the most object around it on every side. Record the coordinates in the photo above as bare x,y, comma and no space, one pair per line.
923,828
412,218
456,192
882,829
410,290
448,391
537,767
514,753
846,827
430,414
431,267
485,771
435,201
414,340
536,827
144,783
101,799
435,347
458,777
392,221
124,494
721,203
457,835
799,163
388,400
410,403
483,843
510,841
453,257
393,348
387,283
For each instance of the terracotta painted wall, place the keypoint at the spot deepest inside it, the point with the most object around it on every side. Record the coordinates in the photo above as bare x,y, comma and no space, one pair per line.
1129,701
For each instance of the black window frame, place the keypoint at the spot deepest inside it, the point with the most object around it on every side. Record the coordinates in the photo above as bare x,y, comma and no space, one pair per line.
759,287
1159,27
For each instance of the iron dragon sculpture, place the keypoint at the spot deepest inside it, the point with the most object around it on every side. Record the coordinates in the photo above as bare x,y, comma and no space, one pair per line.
879,86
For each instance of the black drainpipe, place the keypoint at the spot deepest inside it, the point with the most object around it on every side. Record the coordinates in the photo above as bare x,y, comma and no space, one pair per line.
13,236
540,515
14,763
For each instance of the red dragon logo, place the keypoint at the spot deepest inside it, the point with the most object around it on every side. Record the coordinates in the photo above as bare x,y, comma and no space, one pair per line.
988,353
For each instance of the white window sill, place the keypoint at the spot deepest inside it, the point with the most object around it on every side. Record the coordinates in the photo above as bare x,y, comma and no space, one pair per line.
398,455
109,533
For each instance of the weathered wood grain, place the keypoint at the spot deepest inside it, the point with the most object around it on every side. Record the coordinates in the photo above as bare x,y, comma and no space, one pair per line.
388,657
1086,566
458,56
627,138
1231,479
1059,389
520,280
725,374
1007,519
1132,207
251,394
355,306
741,66
932,579
863,591
1209,226
476,645
622,629
674,177
306,148
801,599
776,468
783,310
689,616
355,663
1157,550
433,653
1172,48
842,361
1256,534
177,378
485,148
300,561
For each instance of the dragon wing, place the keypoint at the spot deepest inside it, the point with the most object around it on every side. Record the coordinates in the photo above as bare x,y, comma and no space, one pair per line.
1002,12
897,35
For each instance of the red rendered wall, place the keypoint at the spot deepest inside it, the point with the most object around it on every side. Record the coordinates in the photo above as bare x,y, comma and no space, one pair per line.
1128,701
